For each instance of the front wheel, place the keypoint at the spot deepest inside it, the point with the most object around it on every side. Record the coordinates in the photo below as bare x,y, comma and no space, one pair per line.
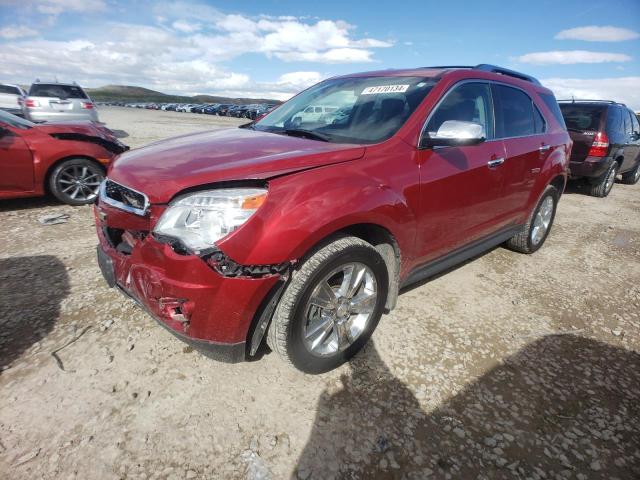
536,230
331,306
76,181
632,177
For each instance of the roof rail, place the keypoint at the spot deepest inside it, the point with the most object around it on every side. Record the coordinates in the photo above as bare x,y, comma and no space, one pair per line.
485,67
573,100
444,67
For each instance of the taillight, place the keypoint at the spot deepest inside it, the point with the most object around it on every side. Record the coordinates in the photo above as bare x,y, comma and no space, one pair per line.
31,103
87,105
600,145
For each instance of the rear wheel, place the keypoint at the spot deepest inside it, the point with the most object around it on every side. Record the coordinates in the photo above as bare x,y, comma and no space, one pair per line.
603,185
76,181
536,230
331,306
632,177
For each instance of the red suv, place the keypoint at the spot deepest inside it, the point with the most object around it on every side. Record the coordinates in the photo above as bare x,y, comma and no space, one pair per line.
303,230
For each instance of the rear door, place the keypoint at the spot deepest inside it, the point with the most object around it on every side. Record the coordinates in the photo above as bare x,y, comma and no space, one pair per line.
632,143
10,97
59,99
16,163
460,187
583,121
521,127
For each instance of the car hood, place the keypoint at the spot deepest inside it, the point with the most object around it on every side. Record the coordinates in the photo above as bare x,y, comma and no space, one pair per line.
164,168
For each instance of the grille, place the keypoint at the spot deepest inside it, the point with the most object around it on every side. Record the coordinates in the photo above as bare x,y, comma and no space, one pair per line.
123,197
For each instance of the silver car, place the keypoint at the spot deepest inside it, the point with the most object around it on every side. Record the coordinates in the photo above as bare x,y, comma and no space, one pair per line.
11,98
53,101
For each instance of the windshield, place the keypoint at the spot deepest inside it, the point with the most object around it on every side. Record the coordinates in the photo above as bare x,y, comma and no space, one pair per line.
14,121
350,110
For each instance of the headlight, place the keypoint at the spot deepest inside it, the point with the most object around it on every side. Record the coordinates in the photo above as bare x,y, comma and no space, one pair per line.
200,219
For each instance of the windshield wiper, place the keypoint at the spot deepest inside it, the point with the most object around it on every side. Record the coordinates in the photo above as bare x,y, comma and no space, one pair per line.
299,132
251,125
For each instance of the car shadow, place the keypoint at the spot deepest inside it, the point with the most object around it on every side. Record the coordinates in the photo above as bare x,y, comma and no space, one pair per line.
16,204
561,406
31,292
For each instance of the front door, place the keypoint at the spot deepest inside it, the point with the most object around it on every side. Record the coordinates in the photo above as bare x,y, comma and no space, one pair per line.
16,165
460,187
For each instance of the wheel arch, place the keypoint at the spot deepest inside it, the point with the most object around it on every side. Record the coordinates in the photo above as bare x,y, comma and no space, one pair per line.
54,165
376,235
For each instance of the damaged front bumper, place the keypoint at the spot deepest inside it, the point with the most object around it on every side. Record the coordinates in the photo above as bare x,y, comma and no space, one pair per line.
186,294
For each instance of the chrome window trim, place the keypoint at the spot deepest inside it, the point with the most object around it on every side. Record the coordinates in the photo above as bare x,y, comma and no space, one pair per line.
114,203
489,82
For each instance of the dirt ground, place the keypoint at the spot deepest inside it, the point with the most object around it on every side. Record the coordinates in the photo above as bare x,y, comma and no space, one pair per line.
510,366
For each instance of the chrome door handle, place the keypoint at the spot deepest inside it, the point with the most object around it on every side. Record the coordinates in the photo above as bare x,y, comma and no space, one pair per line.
544,148
496,162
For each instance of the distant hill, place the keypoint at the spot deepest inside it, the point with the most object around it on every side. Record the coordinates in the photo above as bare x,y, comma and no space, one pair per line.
126,93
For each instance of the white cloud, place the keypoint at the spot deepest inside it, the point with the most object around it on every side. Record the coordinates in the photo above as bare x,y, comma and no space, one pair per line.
186,27
17,31
56,7
334,55
595,33
568,57
186,50
623,89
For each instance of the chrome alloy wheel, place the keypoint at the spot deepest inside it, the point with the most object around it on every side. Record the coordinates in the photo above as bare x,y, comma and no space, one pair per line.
611,178
339,309
80,182
542,220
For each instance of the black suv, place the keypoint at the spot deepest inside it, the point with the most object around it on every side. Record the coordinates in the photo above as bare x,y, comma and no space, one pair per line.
606,143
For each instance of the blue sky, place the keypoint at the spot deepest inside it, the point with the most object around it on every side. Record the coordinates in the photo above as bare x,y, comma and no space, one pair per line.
275,48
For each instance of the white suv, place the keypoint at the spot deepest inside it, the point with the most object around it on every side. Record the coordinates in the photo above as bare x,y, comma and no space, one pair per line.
11,98
53,101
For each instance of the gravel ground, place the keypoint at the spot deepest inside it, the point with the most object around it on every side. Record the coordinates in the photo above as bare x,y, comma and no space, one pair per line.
510,366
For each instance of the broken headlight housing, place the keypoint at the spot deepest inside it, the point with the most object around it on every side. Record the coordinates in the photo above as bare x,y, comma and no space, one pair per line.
200,219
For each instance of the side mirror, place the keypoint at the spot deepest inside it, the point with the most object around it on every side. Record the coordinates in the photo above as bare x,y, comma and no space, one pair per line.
455,133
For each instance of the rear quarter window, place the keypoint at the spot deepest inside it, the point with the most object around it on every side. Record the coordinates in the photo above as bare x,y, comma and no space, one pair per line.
552,104
57,91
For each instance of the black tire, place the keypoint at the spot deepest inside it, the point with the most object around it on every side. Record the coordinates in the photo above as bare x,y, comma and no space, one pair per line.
602,186
523,242
61,186
632,176
285,335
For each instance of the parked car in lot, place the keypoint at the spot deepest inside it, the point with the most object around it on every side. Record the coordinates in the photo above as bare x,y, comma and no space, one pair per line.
53,101
11,98
66,159
304,233
606,143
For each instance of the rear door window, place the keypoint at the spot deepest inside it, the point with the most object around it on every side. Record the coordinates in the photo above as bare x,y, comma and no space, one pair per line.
9,89
469,102
582,117
514,112
635,126
58,91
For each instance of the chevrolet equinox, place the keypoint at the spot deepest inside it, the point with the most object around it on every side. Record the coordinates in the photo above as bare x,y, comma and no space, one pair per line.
301,230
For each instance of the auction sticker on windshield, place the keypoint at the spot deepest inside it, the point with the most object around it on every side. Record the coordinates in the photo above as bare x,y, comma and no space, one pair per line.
385,89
